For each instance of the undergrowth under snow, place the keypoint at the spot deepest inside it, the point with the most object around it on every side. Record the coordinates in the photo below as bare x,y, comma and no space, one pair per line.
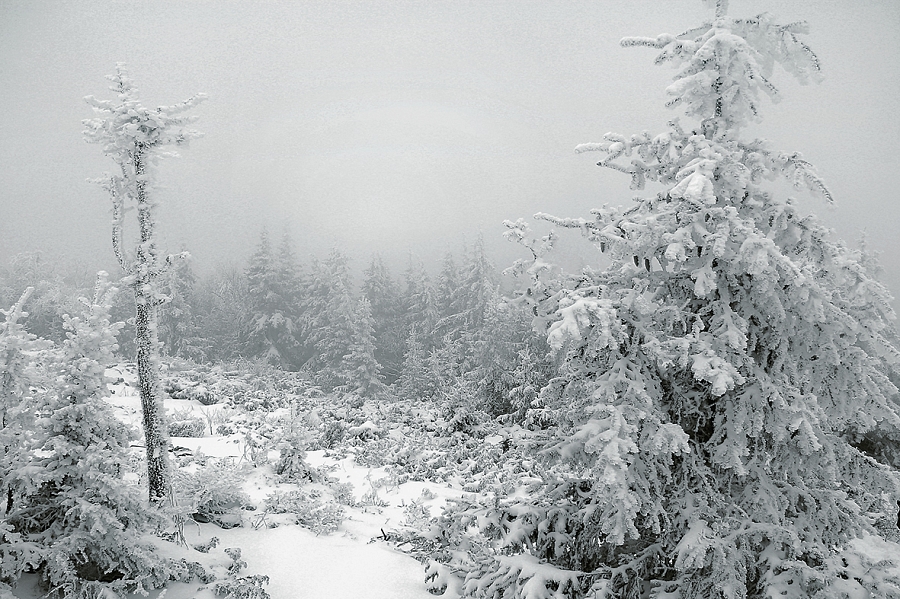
325,496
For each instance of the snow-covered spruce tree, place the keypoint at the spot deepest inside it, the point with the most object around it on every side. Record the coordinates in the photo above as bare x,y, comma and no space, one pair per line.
178,329
79,523
360,370
717,378
18,374
331,328
55,290
419,305
478,287
289,279
381,291
507,357
448,300
222,299
135,137
14,342
271,331
415,381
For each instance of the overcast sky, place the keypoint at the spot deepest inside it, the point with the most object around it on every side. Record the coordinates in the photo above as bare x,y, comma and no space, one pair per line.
405,125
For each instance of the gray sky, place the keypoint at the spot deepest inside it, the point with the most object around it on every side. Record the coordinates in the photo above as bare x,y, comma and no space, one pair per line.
406,125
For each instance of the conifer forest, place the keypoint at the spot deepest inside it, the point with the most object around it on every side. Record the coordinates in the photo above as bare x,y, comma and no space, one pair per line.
686,390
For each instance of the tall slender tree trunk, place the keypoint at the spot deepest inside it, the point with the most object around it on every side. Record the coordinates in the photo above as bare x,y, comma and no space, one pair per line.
156,437
155,434
133,135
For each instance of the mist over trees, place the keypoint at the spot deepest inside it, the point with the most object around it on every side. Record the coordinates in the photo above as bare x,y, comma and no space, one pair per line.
711,411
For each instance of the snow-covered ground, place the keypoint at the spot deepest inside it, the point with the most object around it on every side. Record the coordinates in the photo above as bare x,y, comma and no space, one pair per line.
351,563
361,559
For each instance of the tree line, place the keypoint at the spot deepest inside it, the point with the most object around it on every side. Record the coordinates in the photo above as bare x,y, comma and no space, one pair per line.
413,336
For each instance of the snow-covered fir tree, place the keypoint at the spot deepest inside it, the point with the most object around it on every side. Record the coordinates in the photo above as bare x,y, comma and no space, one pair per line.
15,365
448,299
415,381
135,137
419,305
222,298
477,287
360,370
384,297
272,329
503,349
19,373
331,323
178,328
74,519
718,379
55,290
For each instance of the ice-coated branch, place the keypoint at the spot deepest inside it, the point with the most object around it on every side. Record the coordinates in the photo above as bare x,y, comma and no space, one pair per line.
727,62
15,312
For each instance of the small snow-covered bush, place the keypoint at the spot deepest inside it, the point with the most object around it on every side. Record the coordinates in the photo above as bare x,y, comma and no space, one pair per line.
245,587
189,427
185,571
213,489
178,388
416,515
333,433
321,517
375,454
343,493
291,465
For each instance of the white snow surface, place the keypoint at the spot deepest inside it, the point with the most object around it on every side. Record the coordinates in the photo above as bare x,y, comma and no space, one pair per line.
351,563
347,564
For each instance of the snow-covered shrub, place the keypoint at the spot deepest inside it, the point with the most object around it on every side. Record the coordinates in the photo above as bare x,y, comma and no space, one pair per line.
256,448
186,571
213,489
333,432
237,564
186,427
260,400
309,508
213,418
179,388
343,492
291,465
244,587
212,543
375,454
226,429
416,515
366,431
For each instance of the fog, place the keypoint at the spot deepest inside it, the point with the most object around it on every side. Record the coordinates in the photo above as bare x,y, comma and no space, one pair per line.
400,127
